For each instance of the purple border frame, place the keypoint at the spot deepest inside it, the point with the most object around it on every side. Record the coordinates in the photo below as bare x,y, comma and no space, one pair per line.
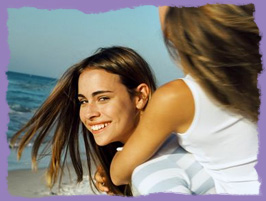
105,6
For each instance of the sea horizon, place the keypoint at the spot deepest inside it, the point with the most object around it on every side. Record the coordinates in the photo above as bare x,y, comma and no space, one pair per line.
25,73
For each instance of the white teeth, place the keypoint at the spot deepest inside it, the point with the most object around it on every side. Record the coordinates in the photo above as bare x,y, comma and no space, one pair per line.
98,127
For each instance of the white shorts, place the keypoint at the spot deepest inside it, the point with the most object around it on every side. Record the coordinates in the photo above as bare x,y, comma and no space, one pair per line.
172,169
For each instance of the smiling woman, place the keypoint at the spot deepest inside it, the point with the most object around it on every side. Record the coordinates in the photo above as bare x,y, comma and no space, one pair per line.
104,95
107,110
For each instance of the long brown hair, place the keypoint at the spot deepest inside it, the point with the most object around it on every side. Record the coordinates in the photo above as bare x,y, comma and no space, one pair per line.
218,44
60,112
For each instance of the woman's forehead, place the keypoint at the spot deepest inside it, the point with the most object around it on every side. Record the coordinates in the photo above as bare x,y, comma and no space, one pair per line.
95,79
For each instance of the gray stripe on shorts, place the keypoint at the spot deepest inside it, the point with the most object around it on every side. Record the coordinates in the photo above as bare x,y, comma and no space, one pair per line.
151,168
165,185
193,169
163,164
205,187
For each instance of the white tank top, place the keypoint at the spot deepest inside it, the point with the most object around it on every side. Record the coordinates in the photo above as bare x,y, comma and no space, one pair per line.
226,144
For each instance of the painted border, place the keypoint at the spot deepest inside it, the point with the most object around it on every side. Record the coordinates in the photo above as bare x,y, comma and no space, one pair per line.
100,6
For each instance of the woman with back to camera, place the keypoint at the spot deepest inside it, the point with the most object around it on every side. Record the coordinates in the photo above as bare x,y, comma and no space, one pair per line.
214,109
106,92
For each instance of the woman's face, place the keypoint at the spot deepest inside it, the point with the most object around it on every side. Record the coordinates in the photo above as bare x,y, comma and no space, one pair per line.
106,108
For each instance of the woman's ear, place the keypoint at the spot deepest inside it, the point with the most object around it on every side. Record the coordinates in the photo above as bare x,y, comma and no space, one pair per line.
142,97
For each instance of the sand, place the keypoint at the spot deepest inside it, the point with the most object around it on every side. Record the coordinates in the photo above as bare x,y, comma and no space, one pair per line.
26,183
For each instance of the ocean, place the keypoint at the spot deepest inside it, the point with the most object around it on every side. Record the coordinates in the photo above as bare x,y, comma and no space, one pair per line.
25,94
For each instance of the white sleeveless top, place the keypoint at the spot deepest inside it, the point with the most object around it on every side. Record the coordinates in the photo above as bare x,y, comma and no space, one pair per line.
225,144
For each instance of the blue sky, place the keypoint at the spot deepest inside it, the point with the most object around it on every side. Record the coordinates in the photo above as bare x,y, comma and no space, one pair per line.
47,42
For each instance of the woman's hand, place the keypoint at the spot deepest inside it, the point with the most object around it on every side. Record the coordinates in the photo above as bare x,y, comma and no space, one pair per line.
101,181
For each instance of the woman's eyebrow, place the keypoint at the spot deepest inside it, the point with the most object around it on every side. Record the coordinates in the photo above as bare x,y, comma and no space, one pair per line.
101,92
96,93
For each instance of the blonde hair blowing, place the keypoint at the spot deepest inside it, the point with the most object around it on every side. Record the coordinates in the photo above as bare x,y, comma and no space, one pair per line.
218,44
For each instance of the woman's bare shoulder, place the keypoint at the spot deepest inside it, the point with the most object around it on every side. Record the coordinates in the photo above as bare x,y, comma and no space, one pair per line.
174,102
172,91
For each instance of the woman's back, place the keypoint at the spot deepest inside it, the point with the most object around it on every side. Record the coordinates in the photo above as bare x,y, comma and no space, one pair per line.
218,45
226,144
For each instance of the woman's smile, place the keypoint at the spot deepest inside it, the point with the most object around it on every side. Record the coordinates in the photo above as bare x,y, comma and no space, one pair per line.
98,127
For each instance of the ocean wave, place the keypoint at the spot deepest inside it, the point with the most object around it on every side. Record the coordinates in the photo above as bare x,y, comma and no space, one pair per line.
22,97
18,109
32,86
16,145
21,92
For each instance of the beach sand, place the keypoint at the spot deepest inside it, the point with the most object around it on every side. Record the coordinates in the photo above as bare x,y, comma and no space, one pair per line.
27,183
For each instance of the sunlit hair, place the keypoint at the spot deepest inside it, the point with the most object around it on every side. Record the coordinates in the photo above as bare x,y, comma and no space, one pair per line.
59,117
218,44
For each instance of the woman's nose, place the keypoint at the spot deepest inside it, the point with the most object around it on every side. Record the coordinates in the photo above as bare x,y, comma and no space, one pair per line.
91,111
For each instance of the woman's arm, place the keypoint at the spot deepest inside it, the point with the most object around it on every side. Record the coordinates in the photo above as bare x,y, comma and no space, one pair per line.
171,109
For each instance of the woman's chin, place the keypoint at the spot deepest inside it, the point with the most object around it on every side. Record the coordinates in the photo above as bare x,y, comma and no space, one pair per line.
102,142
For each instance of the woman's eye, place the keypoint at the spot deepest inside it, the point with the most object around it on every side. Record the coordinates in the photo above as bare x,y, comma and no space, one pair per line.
81,102
103,98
